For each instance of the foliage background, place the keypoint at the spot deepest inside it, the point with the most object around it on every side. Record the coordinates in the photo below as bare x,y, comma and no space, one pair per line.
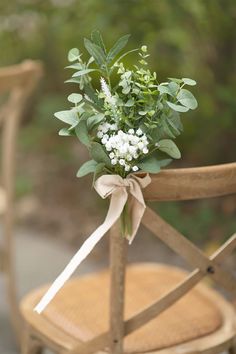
185,38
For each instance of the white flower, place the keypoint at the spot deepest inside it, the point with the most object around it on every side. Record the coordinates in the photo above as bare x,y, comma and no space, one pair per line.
108,146
145,151
99,134
139,132
134,139
132,150
131,131
140,145
114,161
104,140
122,162
127,168
135,168
111,155
129,157
105,89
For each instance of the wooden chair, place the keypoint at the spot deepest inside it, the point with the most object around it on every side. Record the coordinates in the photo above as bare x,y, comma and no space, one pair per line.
153,307
17,84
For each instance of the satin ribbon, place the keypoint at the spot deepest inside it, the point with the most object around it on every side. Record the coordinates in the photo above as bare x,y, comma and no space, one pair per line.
120,189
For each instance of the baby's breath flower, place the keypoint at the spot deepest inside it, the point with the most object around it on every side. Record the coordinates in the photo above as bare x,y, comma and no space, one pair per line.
122,162
135,168
139,132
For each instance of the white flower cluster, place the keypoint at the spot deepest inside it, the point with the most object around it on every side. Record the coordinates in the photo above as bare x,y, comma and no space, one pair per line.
105,128
124,148
105,89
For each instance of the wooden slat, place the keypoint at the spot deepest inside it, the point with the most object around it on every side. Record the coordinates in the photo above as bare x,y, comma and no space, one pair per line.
192,254
118,248
192,183
17,75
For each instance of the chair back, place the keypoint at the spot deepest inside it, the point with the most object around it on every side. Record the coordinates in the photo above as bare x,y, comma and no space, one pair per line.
168,185
17,85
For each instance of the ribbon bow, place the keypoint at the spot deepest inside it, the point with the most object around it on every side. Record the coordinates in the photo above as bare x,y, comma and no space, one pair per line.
120,189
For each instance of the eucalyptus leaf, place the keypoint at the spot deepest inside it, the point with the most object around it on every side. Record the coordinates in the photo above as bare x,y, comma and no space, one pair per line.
65,132
83,72
187,99
76,66
118,46
188,81
94,120
98,170
170,148
75,98
150,165
73,54
81,131
98,153
86,168
69,117
177,107
96,52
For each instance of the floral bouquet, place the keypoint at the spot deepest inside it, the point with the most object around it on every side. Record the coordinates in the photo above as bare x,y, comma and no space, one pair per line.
129,123
128,126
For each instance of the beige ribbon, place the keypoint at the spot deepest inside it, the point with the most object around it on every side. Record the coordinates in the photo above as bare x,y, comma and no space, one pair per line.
120,189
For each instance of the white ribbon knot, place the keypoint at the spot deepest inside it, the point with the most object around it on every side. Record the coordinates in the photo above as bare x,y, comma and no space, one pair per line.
120,189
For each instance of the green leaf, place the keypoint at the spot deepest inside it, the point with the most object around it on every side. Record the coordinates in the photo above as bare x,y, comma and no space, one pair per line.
188,81
151,164
75,80
73,54
163,89
99,169
170,148
76,66
94,120
96,52
83,72
82,133
65,132
98,154
187,99
129,103
118,46
86,168
69,117
177,107
167,129
178,81
75,98
96,38
173,87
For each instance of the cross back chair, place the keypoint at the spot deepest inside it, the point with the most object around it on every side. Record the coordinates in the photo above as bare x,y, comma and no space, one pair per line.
17,84
153,308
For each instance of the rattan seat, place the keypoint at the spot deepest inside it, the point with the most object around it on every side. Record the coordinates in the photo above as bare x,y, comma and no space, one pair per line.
80,310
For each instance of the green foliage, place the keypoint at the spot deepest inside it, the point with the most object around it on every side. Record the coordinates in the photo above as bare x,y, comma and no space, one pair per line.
144,110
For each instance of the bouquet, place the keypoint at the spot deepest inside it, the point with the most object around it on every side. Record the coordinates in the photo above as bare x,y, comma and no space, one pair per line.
130,122
128,125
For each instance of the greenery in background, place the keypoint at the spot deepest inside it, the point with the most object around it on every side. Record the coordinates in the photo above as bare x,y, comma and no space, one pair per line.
129,121
185,38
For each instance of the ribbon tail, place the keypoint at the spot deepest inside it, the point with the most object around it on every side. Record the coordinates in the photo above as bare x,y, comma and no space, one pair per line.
117,203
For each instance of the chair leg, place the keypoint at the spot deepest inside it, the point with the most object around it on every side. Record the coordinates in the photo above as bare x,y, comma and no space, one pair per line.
232,349
30,345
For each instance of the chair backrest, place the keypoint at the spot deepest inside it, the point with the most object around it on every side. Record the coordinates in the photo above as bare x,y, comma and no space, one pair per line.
18,84
172,185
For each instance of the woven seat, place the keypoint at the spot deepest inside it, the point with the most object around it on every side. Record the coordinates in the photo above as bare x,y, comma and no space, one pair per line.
81,308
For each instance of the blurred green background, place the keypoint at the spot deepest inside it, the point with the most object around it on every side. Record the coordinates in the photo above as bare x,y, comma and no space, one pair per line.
185,38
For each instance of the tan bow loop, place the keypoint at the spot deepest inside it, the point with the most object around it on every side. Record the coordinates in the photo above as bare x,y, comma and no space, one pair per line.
121,190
